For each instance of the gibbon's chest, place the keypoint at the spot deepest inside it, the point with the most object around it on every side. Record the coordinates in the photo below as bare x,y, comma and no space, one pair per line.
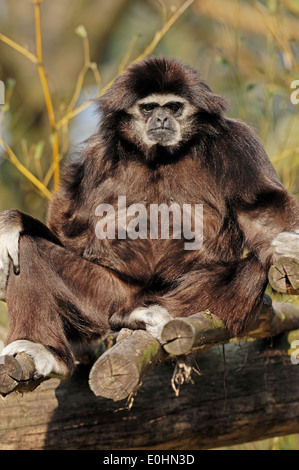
170,202
183,182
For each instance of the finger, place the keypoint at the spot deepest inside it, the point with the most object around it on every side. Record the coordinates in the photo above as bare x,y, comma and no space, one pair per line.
16,270
14,257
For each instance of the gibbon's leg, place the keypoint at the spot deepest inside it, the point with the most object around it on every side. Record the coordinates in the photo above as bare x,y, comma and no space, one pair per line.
58,297
232,291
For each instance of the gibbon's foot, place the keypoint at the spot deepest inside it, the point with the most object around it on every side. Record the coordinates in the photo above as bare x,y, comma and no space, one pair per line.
18,374
154,317
45,362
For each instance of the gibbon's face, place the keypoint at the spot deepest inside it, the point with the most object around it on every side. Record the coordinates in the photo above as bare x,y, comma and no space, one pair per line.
160,119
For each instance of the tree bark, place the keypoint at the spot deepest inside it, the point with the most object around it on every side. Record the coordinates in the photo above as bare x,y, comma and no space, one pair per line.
251,392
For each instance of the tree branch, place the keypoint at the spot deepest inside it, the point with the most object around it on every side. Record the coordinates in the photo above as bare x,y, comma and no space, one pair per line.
118,373
284,274
250,393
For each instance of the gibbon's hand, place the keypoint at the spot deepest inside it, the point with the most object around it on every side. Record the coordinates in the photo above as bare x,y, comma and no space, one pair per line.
10,229
286,244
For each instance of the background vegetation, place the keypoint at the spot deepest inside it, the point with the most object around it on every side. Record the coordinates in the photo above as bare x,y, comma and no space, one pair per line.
56,55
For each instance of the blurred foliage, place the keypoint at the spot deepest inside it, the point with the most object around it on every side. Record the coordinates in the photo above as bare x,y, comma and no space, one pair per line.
247,50
3,315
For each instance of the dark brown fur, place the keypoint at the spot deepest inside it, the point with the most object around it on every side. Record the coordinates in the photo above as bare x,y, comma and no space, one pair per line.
74,286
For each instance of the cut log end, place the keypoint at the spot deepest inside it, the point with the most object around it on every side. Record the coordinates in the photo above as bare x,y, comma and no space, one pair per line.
284,276
10,374
18,374
113,377
178,336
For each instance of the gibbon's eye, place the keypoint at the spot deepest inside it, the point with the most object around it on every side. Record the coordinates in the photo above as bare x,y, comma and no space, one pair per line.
148,108
175,107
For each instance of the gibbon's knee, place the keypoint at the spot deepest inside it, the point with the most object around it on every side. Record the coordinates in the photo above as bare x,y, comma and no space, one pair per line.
13,224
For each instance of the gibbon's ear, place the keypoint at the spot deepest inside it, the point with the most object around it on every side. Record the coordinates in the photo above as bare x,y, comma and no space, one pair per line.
160,75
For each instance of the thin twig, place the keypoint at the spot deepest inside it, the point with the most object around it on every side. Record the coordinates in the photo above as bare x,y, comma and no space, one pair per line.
47,96
126,57
16,162
81,75
19,48
160,34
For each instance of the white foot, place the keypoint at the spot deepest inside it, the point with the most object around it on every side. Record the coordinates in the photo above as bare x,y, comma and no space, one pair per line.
45,362
154,317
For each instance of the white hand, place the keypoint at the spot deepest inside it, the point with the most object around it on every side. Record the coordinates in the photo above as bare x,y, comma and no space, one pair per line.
9,249
286,244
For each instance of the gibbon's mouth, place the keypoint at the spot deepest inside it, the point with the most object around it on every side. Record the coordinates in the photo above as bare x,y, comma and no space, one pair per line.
162,129
161,134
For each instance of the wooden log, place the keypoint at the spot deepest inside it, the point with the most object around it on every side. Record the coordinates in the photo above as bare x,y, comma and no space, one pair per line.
202,330
18,374
120,370
251,394
281,317
180,335
284,276
10,374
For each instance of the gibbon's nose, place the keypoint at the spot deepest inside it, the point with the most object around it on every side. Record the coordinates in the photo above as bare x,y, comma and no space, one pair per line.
161,120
